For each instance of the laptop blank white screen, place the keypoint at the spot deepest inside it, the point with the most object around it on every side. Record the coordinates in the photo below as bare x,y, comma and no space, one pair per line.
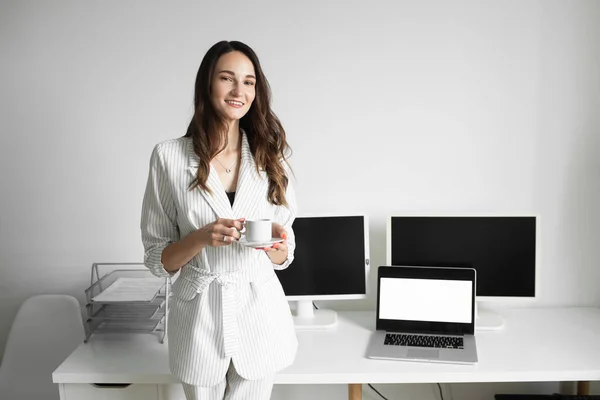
429,300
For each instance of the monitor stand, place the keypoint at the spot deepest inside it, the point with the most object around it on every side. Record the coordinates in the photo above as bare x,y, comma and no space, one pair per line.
487,320
307,318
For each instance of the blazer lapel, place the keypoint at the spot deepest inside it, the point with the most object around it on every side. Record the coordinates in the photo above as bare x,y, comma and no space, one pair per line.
251,192
217,200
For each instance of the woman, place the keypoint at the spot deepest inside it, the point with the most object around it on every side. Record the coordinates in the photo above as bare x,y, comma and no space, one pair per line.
230,327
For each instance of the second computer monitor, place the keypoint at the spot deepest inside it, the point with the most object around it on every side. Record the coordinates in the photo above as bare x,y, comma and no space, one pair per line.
502,249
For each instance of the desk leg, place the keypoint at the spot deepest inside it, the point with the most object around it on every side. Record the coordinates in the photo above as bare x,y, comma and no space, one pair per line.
61,391
355,391
583,387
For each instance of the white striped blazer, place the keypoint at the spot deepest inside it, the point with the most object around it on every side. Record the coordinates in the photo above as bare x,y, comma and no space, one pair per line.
227,303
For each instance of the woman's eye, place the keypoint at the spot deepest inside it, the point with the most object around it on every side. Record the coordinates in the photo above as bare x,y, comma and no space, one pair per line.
249,83
226,78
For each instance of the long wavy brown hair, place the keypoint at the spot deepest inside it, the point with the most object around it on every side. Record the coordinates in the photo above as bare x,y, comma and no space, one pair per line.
264,131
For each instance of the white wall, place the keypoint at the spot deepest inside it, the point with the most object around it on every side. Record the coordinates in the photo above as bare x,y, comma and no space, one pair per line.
390,107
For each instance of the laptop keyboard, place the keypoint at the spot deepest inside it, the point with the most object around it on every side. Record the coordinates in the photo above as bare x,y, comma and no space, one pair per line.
434,341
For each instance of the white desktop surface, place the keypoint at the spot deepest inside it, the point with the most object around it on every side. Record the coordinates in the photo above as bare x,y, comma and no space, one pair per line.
536,344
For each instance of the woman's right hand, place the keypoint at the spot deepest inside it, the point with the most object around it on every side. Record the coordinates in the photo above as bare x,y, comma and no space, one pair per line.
222,232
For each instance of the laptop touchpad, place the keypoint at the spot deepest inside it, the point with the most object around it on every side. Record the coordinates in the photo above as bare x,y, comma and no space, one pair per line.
423,353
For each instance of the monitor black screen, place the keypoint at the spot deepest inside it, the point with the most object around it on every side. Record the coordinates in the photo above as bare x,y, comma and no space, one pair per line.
501,249
329,258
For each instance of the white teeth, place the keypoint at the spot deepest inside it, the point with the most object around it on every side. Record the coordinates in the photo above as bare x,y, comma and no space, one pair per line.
237,103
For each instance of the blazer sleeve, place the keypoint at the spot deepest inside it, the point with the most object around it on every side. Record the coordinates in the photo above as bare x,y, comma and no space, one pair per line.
159,216
285,216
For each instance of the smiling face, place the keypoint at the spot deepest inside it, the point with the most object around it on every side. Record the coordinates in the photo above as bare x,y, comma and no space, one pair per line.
233,86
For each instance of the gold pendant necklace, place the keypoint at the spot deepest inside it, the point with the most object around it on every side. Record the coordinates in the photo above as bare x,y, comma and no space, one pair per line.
228,170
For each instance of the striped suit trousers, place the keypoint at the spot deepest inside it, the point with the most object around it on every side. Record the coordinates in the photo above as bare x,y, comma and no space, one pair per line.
233,387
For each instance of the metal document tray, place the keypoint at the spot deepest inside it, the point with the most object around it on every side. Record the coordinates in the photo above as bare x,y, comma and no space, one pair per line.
154,310
117,315
120,326
107,280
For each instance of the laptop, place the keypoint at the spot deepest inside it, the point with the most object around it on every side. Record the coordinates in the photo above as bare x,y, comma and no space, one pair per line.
425,314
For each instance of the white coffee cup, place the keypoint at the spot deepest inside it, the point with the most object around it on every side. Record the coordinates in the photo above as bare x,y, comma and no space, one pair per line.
258,230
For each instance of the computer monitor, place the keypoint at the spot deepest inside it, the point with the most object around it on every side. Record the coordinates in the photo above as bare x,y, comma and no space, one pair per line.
502,249
331,262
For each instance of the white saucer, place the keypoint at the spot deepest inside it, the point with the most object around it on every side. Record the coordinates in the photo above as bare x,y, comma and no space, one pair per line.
269,243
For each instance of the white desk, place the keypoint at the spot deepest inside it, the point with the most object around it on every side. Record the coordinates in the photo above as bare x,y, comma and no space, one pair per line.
558,344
